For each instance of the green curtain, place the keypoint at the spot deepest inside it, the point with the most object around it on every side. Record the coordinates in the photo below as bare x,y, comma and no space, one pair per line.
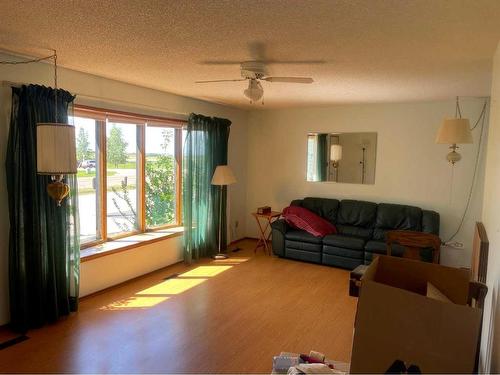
205,148
322,160
44,250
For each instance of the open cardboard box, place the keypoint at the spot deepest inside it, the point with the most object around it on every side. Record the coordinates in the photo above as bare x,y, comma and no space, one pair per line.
395,320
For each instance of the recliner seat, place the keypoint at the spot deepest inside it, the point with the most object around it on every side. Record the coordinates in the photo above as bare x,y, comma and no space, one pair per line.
361,228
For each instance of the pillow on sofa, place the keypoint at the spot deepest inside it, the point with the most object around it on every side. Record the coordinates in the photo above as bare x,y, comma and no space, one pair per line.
302,218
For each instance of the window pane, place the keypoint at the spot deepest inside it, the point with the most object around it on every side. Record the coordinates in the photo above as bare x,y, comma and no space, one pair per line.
121,169
160,176
88,187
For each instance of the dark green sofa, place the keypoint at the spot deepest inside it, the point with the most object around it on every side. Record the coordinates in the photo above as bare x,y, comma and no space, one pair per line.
361,228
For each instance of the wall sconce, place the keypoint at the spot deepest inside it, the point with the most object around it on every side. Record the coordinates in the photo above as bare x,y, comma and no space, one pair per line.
335,157
454,131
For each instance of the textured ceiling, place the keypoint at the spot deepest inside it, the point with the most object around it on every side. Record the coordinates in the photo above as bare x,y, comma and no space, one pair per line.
394,50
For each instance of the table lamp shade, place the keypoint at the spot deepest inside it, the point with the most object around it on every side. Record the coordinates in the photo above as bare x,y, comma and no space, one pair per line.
335,152
454,131
56,150
223,175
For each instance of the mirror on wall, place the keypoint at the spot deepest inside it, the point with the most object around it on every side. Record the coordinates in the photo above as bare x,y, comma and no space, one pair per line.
341,157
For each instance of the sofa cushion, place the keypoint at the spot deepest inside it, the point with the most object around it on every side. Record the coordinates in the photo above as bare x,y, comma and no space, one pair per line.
352,231
344,241
324,207
303,246
342,262
396,216
357,213
303,236
302,218
340,251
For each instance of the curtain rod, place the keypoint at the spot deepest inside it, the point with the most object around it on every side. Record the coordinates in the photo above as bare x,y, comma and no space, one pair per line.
182,117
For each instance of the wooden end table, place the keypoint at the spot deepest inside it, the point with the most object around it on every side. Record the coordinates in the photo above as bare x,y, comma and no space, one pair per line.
265,231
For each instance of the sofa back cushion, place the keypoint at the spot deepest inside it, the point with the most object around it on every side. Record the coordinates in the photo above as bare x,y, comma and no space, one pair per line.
353,231
430,222
396,217
357,213
324,207
302,218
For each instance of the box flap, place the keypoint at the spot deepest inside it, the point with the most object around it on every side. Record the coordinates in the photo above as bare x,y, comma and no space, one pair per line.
413,276
393,324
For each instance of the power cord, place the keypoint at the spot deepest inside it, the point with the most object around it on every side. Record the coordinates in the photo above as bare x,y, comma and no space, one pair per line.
28,61
481,118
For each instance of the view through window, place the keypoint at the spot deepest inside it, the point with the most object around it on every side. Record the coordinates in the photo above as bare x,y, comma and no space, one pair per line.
121,178
88,190
161,176
129,178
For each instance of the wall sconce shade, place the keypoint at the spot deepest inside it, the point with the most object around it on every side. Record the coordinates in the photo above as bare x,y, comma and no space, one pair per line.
223,175
454,131
335,152
56,149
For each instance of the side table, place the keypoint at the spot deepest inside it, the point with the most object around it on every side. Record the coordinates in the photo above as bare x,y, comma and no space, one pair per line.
265,229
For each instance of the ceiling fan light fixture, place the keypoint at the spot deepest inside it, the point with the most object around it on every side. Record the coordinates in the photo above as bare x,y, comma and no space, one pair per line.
254,92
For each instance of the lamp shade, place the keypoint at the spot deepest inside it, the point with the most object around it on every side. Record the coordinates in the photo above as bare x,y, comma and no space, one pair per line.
454,131
254,91
223,175
55,149
335,152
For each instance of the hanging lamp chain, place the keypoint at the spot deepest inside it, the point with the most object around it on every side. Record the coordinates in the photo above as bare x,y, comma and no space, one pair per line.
458,111
55,83
53,56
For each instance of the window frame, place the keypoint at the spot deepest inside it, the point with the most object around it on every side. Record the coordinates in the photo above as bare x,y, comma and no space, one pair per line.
104,116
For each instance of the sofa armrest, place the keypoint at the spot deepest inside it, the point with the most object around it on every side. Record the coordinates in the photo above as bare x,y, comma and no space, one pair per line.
280,225
430,222
279,228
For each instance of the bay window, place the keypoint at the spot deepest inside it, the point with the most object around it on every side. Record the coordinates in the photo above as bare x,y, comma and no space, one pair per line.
129,173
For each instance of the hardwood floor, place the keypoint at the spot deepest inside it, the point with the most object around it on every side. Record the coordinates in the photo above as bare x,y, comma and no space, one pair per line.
228,316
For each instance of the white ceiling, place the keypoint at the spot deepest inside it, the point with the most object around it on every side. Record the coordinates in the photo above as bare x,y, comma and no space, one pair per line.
393,50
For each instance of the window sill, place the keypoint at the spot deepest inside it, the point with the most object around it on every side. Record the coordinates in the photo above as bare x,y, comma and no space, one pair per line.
128,243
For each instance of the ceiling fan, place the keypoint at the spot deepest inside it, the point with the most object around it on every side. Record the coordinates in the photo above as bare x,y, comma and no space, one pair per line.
255,72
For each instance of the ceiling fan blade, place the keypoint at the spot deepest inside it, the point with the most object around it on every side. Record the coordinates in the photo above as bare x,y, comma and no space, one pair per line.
222,80
220,62
298,62
257,51
263,61
289,79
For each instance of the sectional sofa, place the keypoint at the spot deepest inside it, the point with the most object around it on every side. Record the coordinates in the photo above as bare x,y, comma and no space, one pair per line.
361,228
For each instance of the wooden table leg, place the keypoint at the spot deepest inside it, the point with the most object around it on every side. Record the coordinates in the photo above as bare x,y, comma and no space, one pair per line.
265,235
264,238
261,239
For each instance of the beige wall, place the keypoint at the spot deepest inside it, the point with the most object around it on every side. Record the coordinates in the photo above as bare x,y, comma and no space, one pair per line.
490,353
410,167
97,91
100,273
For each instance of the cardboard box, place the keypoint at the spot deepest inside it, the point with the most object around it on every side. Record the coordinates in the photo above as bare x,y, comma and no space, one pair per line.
396,321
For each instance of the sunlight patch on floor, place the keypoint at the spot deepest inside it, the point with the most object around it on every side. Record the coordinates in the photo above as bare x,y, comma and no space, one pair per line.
136,302
171,286
166,289
205,271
